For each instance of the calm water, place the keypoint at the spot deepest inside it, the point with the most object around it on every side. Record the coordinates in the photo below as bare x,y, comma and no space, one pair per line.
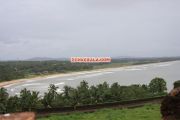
140,74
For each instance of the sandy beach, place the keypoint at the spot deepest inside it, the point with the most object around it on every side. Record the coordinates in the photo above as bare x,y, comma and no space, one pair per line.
6,83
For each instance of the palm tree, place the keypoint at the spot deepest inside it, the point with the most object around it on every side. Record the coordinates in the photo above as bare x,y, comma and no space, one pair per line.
3,100
28,99
74,98
84,93
94,95
53,91
13,104
66,91
104,93
115,92
50,96
66,95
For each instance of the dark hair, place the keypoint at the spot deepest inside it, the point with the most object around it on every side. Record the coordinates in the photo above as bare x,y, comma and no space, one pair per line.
177,84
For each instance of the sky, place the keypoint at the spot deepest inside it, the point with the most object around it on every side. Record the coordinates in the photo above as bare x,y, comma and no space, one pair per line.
65,28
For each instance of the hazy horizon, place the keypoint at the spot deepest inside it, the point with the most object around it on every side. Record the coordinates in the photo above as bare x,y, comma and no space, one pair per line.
68,58
61,29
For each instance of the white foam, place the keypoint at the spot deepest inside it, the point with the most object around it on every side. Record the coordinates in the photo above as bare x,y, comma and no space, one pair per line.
133,69
70,79
89,75
164,65
49,77
12,90
31,84
61,83
59,91
17,93
28,81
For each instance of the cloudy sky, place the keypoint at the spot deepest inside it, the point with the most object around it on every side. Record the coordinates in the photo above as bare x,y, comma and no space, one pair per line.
64,28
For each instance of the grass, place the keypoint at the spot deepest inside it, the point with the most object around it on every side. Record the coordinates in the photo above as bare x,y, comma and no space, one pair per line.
147,112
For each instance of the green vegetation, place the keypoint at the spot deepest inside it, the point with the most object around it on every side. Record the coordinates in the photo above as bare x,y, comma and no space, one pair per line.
10,70
82,95
157,85
148,112
21,69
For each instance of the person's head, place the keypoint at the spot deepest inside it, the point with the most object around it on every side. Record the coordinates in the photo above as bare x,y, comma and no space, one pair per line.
177,84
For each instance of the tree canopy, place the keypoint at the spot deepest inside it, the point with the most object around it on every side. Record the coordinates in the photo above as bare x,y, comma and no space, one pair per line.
81,95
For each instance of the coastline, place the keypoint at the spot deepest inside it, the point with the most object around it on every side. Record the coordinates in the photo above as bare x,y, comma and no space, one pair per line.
6,83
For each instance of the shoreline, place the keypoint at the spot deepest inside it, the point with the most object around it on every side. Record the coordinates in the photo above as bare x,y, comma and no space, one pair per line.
7,83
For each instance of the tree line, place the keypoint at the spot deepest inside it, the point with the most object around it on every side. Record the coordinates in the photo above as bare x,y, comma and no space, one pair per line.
20,69
10,70
81,95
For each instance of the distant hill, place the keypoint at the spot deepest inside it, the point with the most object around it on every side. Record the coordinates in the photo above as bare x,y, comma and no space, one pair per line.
45,59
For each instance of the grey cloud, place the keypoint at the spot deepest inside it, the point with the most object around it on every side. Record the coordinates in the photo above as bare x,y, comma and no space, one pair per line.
65,28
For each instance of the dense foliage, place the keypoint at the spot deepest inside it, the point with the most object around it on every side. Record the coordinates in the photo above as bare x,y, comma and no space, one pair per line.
157,85
20,69
82,95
